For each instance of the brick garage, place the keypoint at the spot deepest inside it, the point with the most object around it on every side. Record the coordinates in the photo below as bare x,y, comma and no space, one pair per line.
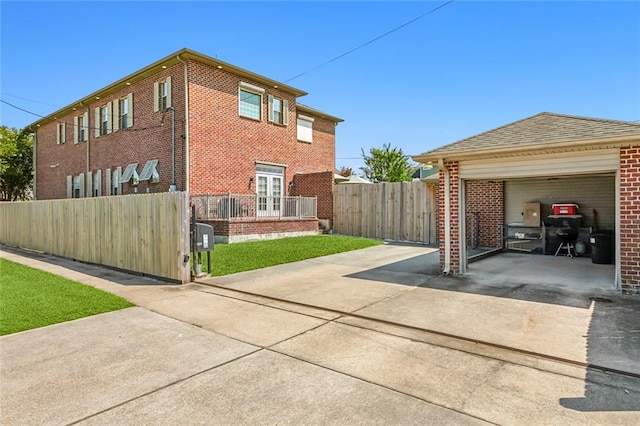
574,151
203,138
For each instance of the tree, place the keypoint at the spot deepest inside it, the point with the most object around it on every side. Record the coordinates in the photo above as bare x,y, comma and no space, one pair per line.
345,171
387,164
16,164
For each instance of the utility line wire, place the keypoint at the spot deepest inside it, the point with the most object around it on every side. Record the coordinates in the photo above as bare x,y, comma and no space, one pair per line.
85,126
372,40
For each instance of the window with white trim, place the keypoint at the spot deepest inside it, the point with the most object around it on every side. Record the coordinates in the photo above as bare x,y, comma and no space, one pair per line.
278,110
122,113
104,120
61,136
305,128
81,128
162,94
249,105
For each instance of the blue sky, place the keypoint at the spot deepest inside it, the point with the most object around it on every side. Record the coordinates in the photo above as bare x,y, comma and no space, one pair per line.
466,68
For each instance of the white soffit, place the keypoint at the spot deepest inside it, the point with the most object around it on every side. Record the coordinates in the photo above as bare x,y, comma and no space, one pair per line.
560,163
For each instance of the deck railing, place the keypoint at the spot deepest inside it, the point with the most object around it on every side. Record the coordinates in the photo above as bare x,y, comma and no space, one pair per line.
237,206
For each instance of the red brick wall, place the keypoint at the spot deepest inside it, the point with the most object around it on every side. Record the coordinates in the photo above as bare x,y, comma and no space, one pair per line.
148,139
261,226
224,147
319,185
485,199
455,231
630,217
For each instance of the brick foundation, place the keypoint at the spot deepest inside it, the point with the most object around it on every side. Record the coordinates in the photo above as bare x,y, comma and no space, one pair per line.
251,229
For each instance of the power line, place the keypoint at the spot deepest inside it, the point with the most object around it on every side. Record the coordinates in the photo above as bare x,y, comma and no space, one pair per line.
372,40
86,127
30,100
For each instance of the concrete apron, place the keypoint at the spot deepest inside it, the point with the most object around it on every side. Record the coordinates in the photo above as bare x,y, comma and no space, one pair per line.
388,283
295,364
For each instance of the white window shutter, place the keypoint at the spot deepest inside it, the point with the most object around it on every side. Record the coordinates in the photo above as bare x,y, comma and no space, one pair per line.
118,174
63,126
169,92
58,133
98,183
115,115
110,116
89,184
285,112
270,109
107,182
156,96
130,113
86,126
70,185
76,130
81,184
98,123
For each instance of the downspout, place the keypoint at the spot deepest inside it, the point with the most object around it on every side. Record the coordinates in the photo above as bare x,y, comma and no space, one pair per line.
447,218
88,151
35,176
186,125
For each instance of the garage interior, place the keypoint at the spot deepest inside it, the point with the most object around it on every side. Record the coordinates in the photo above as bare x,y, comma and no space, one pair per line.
530,228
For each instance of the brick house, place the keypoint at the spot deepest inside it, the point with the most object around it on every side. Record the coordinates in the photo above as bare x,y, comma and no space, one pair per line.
544,159
189,122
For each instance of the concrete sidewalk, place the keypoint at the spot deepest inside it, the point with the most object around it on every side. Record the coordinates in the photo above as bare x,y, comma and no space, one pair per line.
210,354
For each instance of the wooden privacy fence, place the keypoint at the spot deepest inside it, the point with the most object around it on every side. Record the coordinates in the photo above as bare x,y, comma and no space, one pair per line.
392,211
146,233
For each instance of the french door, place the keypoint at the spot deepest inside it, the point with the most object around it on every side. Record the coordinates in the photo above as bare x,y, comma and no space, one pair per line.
269,190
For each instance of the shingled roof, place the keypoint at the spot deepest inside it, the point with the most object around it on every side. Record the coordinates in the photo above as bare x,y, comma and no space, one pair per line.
535,132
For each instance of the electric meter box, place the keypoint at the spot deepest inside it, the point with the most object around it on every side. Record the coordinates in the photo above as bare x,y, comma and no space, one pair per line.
204,237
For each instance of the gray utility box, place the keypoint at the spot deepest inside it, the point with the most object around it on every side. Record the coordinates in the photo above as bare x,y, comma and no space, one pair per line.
204,237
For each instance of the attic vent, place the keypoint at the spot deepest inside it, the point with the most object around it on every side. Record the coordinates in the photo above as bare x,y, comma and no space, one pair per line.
149,171
129,172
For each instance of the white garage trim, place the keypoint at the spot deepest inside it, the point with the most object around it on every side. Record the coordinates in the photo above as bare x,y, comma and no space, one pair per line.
561,163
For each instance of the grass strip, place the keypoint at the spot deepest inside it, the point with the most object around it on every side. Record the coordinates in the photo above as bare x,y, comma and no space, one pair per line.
31,298
238,257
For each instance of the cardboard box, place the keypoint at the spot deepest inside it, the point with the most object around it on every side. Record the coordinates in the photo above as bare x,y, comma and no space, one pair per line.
531,214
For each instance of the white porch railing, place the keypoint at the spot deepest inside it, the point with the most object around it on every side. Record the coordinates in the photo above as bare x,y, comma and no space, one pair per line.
234,206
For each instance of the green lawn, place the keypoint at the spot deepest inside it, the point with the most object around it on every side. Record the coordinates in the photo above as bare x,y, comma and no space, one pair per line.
30,298
231,258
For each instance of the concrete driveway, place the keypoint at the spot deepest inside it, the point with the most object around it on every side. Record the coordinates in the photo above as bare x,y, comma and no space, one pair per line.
310,343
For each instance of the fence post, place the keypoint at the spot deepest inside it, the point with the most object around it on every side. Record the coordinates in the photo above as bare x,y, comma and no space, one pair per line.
228,205
299,207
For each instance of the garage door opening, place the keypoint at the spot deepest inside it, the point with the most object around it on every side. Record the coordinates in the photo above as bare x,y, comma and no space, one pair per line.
516,218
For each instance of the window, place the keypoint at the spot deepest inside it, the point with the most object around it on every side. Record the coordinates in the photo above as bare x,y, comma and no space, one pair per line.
278,110
61,136
250,104
161,95
124,113
305,128
80,126
250,101
104,120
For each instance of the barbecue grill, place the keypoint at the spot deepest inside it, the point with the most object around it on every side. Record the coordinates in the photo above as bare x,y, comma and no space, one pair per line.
568,237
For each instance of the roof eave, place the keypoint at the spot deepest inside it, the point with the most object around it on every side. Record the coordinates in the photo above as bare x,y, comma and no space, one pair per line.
318,113
156,67
613,141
